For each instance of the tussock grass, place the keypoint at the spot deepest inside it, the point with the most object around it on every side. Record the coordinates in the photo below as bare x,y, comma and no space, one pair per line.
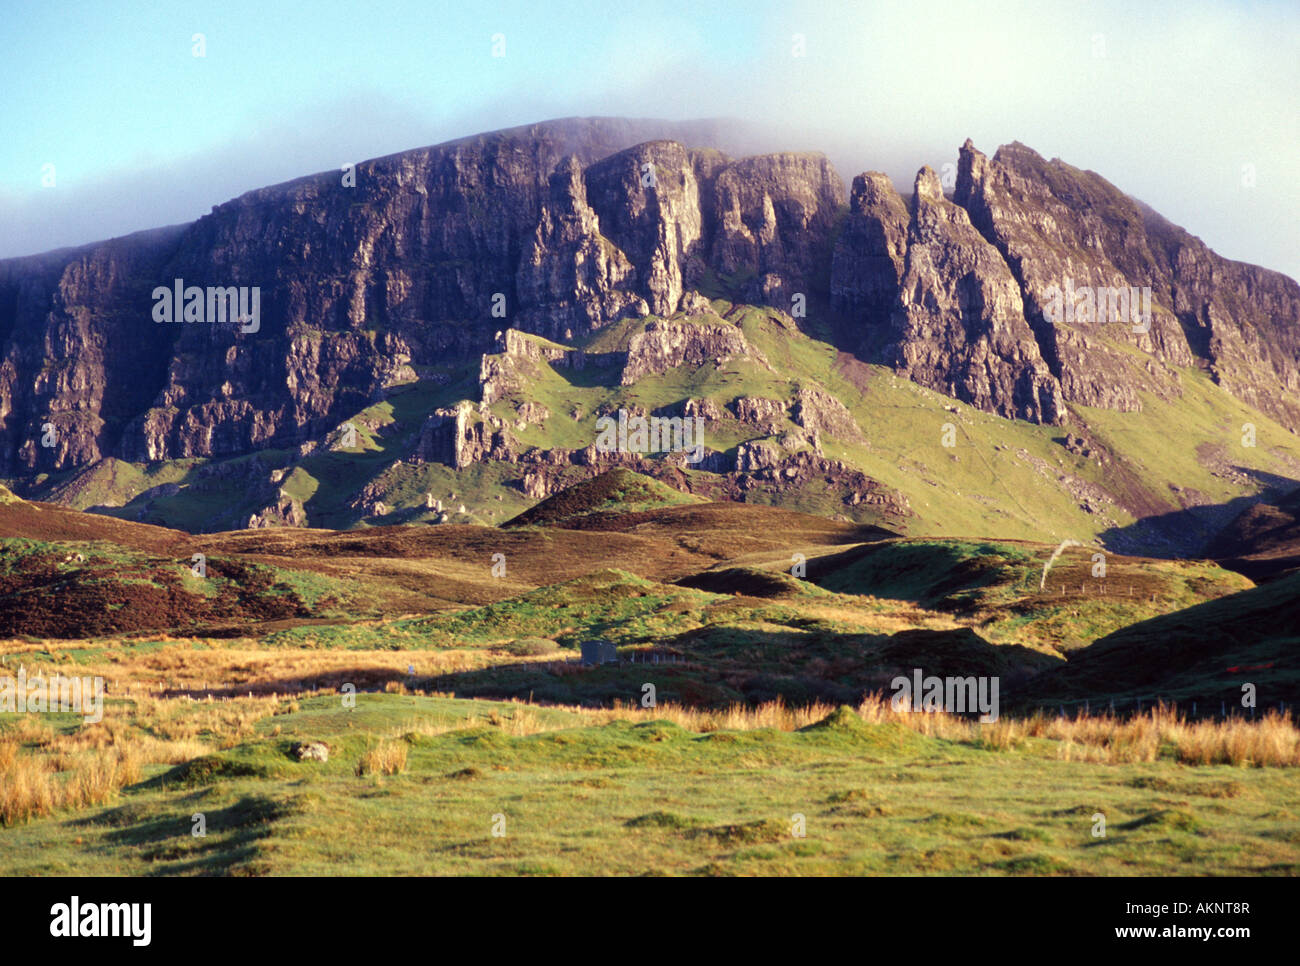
389,758
771,714
45,768
1273,740
668,789
33,785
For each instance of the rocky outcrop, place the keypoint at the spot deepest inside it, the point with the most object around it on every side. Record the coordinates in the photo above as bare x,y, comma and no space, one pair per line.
515,343
79,354
311,751
705,409
667,345
571,278
867,269
459,436
959,324
764,415
762,465
649,200
926,294
284,512
818,411
1092,242
1053,222
774,216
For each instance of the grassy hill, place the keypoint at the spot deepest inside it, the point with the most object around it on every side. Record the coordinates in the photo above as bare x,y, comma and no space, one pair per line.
1202,653
1264,541
472,706
611,494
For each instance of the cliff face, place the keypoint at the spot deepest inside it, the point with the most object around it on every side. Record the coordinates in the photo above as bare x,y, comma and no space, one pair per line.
1052,222
958,322
561,229
79,354
554,229
867,268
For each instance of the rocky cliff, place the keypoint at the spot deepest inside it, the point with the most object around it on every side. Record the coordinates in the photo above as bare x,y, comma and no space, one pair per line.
1052,222
415,262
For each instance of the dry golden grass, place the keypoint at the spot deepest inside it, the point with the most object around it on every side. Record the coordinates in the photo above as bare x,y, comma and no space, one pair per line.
773,714
1272,740
232,671
35,784
43,770
29,787
388,758
28,729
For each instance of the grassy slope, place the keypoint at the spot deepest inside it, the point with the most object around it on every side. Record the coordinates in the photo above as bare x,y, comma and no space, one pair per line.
1204,652
651,797
995,586
988,483
95,588
955,608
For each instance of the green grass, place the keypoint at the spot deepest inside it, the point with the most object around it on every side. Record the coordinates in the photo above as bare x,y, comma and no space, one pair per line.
996,586
618,491
611,603
1185,654
652,798
1165,441
930,572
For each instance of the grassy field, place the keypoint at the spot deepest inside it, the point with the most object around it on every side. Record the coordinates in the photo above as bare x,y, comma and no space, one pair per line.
479,744
505,788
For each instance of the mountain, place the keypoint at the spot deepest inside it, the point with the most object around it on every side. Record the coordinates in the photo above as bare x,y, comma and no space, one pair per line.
440,331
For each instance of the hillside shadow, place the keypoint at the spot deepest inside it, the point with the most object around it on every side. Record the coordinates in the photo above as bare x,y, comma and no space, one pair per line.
1203,653
595,373
232,838
1188,532
945,576
706,668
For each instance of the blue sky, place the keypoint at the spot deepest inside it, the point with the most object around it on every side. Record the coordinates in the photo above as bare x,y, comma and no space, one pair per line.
1170,101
